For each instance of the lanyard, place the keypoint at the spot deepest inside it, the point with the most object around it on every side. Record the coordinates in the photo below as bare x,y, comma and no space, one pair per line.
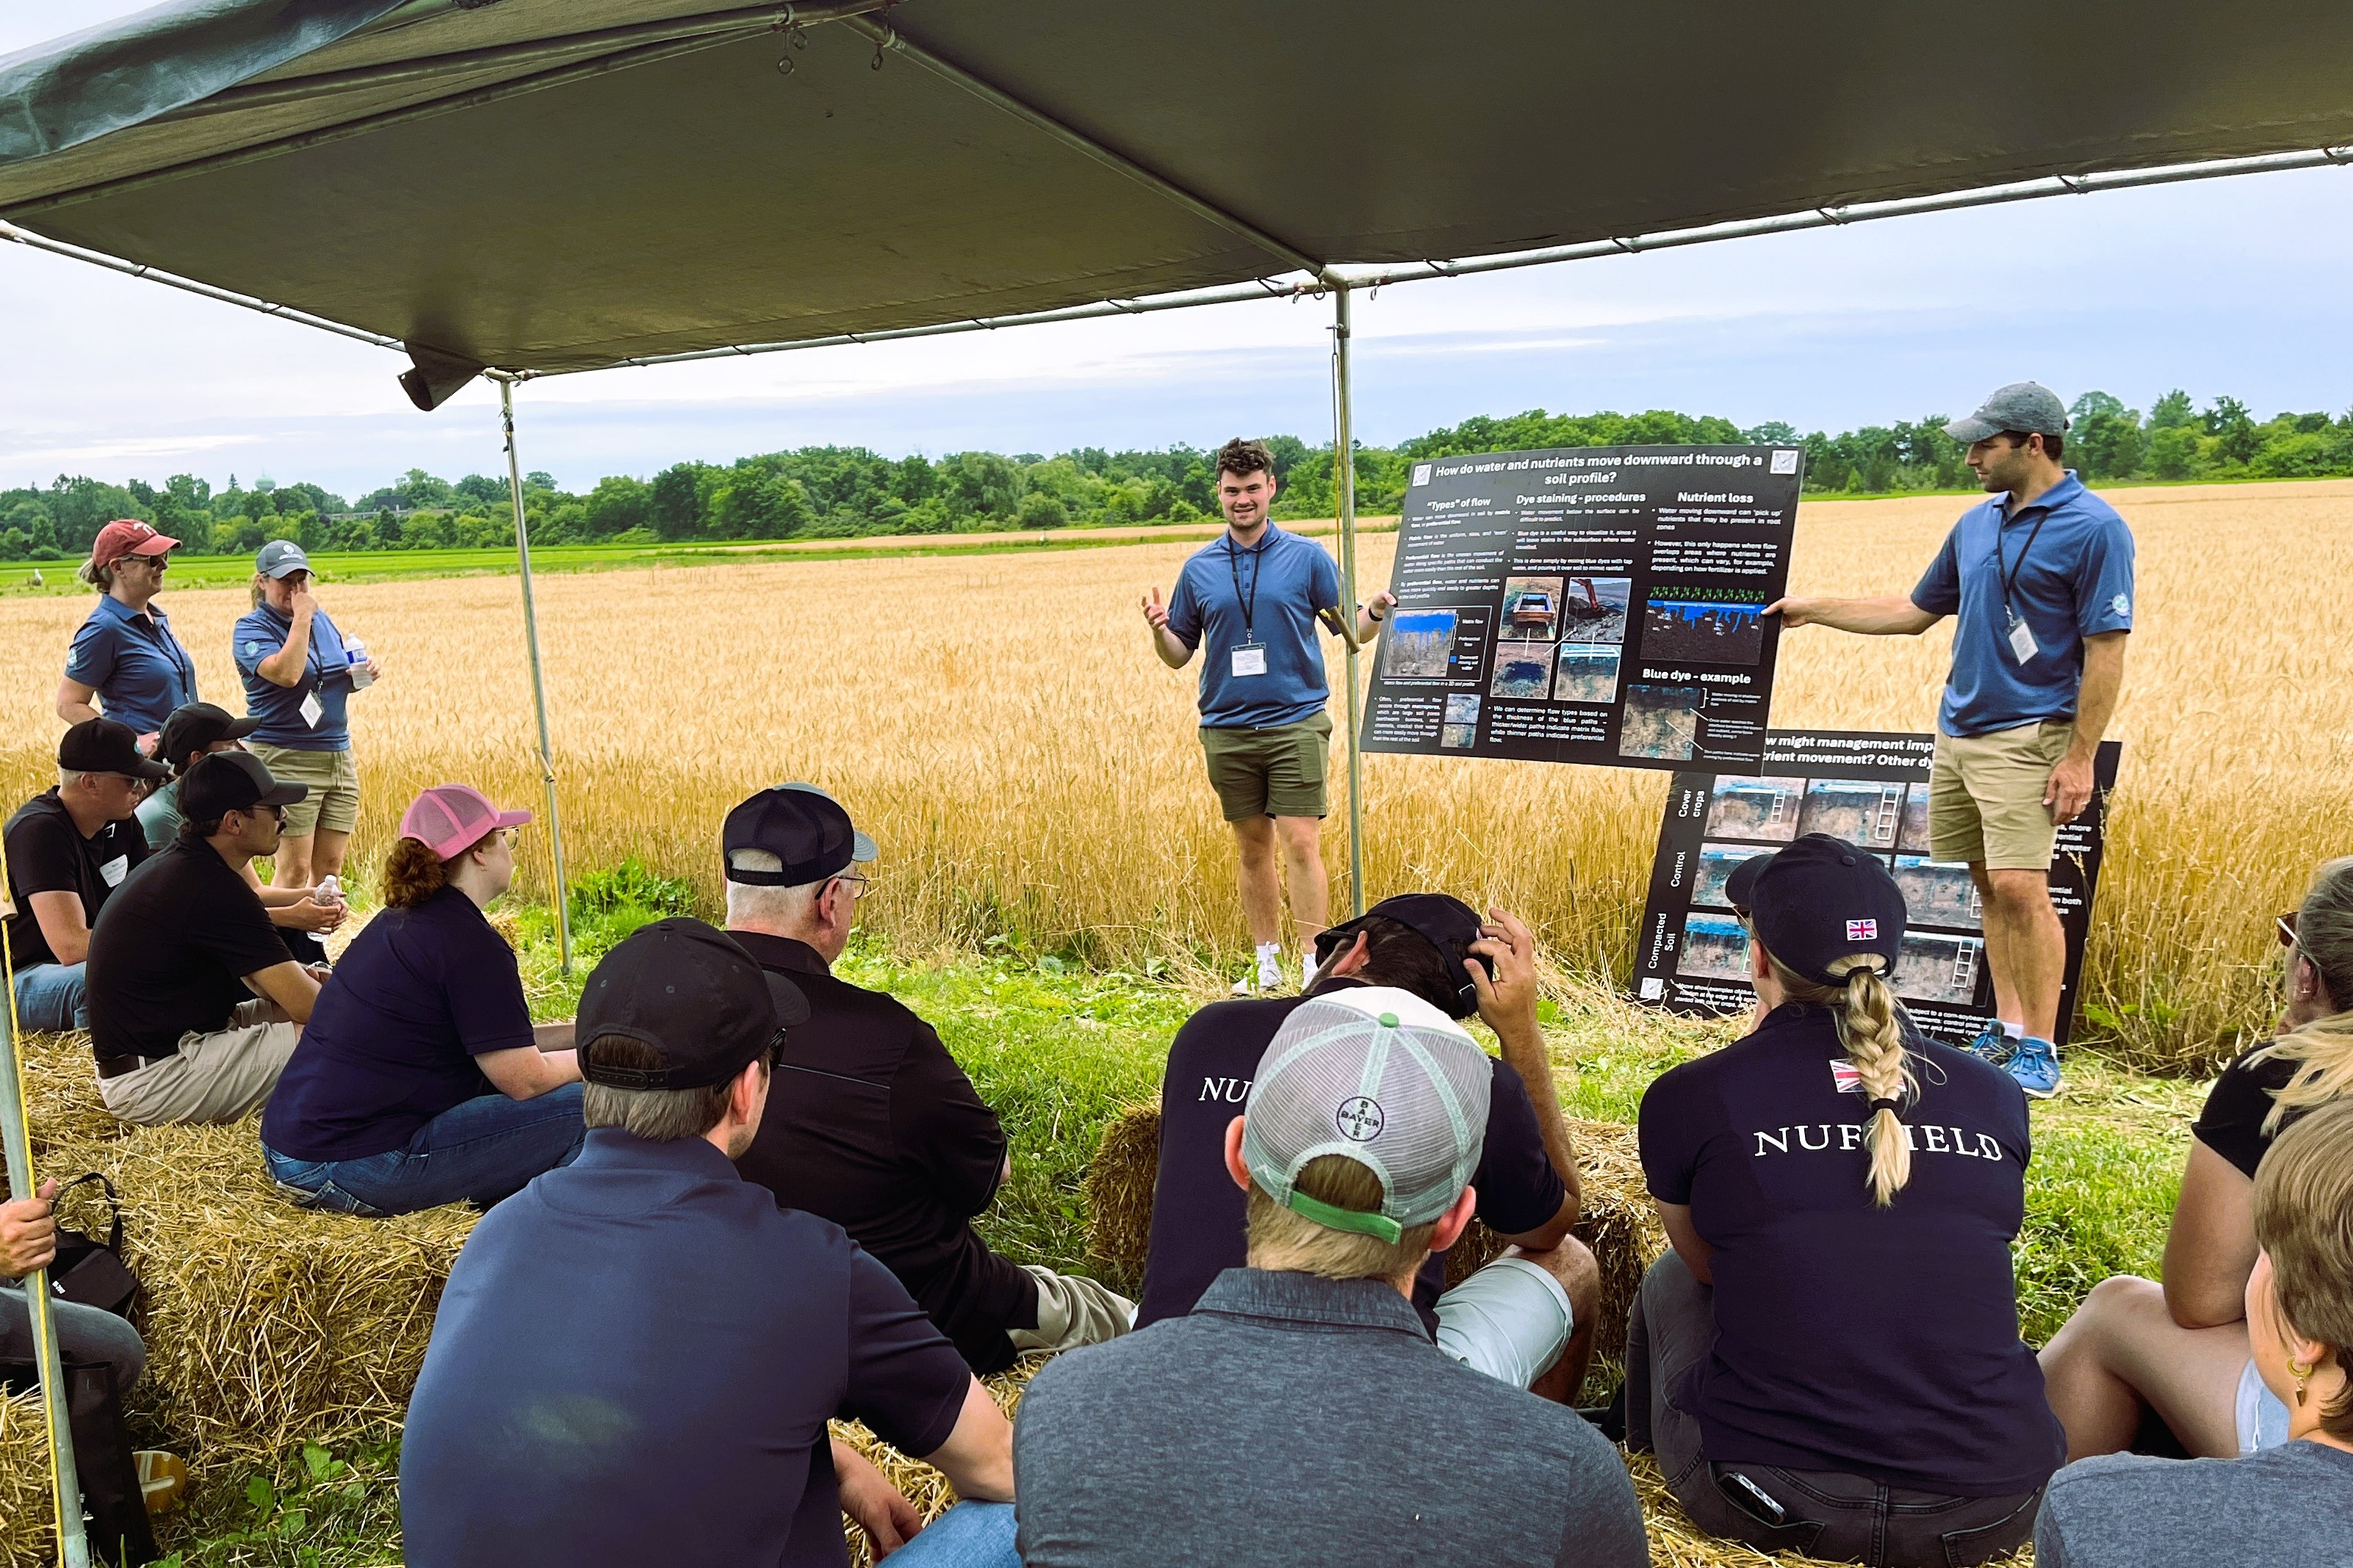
151,625
2008,572
1258,564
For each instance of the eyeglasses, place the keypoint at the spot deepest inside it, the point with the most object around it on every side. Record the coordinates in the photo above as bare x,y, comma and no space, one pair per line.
2287,924
859,885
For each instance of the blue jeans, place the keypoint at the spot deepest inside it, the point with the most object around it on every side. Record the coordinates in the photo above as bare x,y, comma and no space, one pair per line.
969,1535
479,1152
50,998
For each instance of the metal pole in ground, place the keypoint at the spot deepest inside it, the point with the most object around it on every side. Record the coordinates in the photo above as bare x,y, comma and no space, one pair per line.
73,1545
538,679
1344,494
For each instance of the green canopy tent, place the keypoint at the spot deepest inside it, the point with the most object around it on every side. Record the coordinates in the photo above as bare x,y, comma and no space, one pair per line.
534,187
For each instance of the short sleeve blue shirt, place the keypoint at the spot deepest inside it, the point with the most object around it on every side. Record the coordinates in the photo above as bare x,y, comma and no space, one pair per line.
2074,581
1266,595
134,662
634,1362
280,708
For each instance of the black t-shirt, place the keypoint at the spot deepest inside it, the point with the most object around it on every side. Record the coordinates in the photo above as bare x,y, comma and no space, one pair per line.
171,950
1878,1342
2232,1123
871,1124
48,854
392,1041
1199,1218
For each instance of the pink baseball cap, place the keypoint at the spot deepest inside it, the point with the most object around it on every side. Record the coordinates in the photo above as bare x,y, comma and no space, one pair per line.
451,818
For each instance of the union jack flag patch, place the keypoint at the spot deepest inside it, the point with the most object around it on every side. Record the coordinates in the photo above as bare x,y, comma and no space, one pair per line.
1862,931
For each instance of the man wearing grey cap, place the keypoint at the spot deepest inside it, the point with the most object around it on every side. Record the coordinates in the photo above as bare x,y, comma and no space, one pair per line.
1301,1413
2041,578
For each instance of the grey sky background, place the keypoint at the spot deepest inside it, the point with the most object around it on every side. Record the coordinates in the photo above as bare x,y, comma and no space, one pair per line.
2221,287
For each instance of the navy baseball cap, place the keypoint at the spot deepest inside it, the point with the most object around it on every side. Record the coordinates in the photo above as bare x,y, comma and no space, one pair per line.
801,826
107,746
1446,923
194,726
1818,902
223,782
690,992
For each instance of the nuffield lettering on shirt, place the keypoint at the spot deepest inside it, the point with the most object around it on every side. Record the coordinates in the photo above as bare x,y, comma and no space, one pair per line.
1821,1136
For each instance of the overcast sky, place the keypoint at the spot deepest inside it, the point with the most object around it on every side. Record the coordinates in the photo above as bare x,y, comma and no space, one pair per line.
2229,285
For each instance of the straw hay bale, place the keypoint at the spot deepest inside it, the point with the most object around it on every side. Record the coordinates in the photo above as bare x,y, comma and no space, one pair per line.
924,1485
1618,1222
28,1517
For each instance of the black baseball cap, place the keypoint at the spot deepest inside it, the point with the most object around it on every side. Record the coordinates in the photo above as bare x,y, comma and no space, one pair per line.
691,993
194,726
1447,923
106,746
1818,902
801,826
232,781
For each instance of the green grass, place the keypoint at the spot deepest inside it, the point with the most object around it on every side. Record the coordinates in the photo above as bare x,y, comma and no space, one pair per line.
1059,1050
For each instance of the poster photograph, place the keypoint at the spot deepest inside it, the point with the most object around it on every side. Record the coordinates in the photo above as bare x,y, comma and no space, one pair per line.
1600,605
1869,789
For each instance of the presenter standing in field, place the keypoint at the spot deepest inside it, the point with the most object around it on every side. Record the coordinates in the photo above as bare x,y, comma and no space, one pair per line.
1253,597
2041,575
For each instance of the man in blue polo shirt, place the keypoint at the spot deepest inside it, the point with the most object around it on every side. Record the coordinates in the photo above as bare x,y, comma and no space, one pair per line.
1253,597
635,1356
2040,576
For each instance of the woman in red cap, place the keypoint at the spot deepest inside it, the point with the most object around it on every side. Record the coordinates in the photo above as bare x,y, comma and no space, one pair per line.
125,655
420,1078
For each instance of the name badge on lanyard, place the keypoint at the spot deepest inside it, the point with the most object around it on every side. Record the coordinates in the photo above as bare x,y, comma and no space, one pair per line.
2021,640
312,710
2021,636
1249,654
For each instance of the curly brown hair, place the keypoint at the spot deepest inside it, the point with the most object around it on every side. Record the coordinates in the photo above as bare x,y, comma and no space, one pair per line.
411,874
1245,458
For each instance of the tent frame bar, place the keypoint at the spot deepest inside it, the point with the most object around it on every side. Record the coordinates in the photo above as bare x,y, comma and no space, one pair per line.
1343,497
561,894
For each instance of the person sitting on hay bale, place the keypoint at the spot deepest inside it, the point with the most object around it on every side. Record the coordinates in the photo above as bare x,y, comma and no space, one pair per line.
2181,1349
421,1080
194,731
1528,1317
1827,1362
882,1133
636,1357
1300,1411
68,849
2289,1505
195,1004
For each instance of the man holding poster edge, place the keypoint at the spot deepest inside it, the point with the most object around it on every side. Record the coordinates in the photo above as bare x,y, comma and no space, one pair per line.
2040,576
1254,596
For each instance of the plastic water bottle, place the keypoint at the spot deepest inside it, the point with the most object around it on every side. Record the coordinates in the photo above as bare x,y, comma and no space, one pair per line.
330,890
355,657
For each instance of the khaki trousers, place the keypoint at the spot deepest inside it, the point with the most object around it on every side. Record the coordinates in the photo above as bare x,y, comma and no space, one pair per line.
1072,1311
218,1076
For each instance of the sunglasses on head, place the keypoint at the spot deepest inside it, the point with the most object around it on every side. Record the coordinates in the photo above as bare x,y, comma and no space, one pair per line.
2287,924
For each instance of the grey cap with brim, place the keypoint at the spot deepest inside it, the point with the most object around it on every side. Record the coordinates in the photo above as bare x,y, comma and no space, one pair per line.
281,557
862,848
2027,406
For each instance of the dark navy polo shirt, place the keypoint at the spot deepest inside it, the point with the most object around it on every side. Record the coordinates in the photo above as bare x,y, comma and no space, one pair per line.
1878,1343
2075,582
391,1043
136,665
1282,581
280,708
1200,1219
634,1362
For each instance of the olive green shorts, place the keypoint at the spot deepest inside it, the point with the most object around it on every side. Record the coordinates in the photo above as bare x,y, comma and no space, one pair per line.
334,802
1276,772
1985,795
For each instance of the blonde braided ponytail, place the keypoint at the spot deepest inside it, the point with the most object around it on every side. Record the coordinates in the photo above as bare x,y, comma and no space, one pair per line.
1869,1026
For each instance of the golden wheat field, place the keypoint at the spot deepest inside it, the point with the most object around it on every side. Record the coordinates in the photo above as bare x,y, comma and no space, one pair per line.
1000,725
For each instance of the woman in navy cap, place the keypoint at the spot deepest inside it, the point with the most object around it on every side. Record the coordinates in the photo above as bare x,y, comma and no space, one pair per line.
1827,1362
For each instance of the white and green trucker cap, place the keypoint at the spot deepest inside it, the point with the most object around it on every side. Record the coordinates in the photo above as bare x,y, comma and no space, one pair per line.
1380,1077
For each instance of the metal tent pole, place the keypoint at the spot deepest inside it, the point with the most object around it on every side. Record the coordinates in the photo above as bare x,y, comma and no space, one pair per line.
73,1545
1343,493
538,679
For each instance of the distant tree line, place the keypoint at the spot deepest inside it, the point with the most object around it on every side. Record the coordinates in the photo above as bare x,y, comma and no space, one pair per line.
845,492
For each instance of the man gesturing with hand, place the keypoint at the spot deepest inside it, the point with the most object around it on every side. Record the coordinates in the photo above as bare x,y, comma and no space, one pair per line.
1252,598
2040,576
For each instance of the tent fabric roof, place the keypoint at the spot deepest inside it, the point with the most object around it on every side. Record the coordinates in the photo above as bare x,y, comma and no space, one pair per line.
664,187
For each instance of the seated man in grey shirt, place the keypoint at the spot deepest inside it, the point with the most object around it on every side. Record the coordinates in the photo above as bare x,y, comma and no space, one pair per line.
1300,1414
2284,1507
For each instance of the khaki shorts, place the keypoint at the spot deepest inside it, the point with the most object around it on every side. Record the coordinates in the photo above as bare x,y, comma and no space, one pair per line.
1985,797
1275,771
334,802
213,1078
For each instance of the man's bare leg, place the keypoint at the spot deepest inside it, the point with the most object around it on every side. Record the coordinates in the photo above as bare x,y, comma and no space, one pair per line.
1997,941
1261,884
1573,1264
2032,953
1311,889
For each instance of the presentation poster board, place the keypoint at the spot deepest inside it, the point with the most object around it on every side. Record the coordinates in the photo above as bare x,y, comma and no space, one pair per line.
1596,605
1871,790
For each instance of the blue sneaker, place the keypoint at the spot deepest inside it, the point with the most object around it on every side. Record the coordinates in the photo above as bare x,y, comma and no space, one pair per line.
2035,1066
1993,1044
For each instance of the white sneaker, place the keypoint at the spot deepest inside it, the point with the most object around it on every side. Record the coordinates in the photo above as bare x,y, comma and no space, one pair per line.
1306,970
1270,976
